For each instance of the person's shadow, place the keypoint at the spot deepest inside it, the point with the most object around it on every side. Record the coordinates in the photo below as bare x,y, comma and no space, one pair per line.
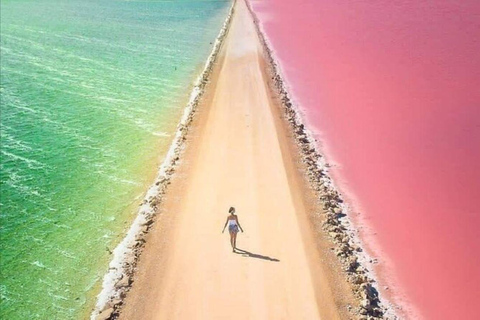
246,253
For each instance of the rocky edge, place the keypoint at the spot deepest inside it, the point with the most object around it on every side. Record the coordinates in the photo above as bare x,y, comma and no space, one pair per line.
335,219
119,278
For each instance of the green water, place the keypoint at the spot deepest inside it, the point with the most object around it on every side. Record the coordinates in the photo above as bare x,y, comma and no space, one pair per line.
91,92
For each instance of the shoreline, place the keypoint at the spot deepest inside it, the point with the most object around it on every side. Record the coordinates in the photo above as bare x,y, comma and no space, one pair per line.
336,217
118,278
402,148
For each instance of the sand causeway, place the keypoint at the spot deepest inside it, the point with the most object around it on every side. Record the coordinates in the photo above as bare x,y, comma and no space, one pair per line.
240,152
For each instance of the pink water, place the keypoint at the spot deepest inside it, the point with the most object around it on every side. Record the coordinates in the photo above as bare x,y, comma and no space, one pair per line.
393,87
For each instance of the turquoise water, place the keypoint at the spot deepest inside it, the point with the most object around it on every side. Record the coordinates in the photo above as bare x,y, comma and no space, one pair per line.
91,92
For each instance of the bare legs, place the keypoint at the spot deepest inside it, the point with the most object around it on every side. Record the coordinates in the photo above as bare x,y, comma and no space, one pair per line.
233,240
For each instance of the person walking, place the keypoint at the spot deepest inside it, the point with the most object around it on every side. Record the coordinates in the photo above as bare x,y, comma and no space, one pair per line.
233,226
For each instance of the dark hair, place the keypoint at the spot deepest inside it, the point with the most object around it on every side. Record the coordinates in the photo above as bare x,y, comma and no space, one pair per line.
231,210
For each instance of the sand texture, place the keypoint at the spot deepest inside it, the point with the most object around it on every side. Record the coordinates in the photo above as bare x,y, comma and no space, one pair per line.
239,154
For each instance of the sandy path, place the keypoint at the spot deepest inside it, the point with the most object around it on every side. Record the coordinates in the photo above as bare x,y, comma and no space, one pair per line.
236,158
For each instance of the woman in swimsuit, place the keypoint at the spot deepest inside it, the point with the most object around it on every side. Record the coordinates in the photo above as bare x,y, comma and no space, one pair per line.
233,225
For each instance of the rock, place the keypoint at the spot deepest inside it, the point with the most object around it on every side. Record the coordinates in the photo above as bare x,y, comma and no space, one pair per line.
376,312
363,294
129,260
365,304
115,302
369,291
334,235
358,279
139,241
147,223
123,282
352,264
332,221
357,248
105,314
345,248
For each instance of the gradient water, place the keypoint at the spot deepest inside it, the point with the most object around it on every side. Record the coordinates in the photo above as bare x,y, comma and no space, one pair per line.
392,88
91,92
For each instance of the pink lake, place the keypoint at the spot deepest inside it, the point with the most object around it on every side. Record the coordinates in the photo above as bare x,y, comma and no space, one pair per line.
393,90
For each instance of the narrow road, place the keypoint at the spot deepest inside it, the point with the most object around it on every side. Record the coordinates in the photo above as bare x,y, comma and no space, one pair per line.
237,157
